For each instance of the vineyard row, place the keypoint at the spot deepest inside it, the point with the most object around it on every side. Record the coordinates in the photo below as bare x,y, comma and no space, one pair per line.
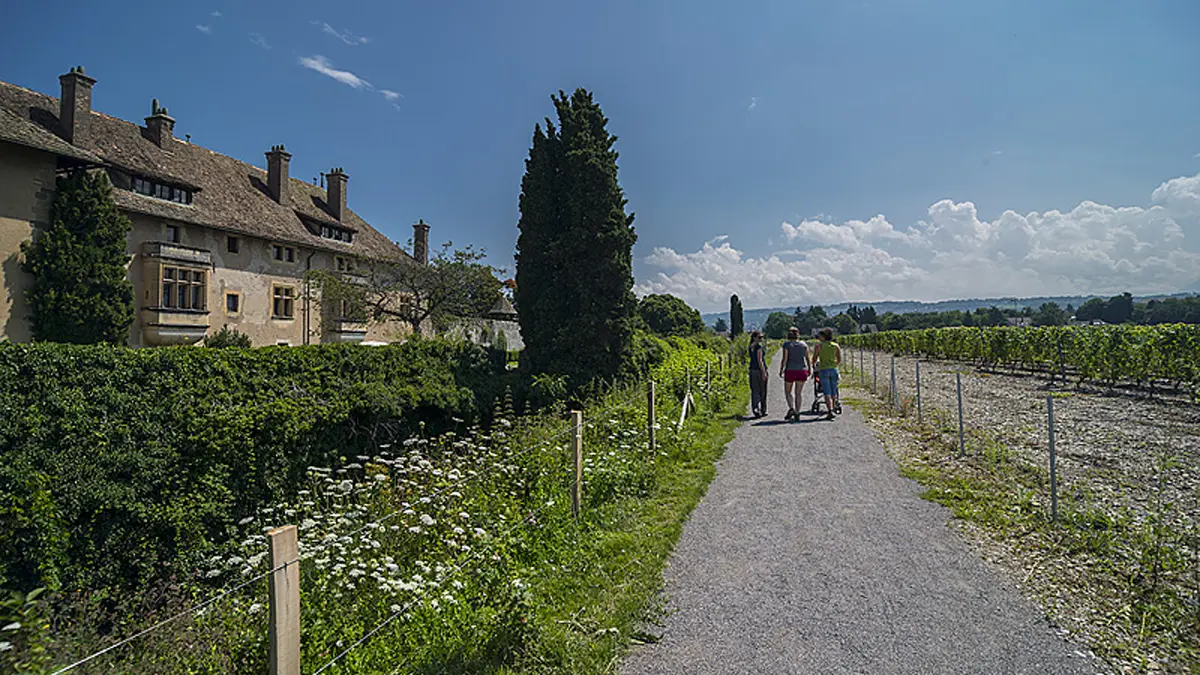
1167,353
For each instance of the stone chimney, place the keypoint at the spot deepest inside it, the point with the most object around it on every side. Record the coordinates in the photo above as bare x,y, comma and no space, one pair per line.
75,105
160,125
277,172
336,192
421,241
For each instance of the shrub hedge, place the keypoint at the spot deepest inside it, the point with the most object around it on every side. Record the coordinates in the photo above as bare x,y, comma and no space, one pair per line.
114,462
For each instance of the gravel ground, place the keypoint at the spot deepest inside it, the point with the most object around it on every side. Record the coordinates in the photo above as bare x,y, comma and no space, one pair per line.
1110,445
811,554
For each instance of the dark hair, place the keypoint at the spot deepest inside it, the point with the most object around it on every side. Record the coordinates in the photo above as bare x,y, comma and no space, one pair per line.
793,333
826,334
756,335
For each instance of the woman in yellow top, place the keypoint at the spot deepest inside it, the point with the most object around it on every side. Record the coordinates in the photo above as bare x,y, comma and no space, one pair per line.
827,356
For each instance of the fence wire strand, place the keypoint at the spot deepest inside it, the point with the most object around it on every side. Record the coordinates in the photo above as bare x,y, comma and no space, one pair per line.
177,616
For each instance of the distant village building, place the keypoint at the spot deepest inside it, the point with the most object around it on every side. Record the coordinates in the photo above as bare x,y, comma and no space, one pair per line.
215,241
1019,321
868,328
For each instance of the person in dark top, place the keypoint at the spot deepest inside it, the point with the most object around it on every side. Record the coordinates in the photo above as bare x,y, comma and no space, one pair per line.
793,368
758,375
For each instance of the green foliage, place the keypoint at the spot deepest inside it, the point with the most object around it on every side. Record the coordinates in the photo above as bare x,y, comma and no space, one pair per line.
808,320
574,251
228,337
454,283
721,326
844,324
114,462
25,633
1105,354
1050,314
737,324
478,565
668,315
80,293
776,325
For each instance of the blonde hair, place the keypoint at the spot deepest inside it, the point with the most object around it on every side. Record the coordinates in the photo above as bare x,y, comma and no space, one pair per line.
793,333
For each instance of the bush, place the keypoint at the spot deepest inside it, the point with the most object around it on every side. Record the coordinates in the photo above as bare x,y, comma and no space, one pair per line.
228,337
114,462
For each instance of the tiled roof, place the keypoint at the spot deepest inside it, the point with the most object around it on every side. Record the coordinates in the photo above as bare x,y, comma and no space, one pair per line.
228,194
21,131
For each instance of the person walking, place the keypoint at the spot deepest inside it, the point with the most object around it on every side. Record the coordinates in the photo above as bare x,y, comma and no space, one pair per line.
793,368
827,356
758,375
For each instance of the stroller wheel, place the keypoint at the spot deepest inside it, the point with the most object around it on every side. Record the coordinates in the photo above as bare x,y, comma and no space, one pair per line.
816,406
837,409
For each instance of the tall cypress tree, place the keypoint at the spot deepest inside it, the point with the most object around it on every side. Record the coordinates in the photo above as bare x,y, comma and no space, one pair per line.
575,249
736,326
80,291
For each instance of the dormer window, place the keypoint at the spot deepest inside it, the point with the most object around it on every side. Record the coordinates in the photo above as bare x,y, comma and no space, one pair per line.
336,233
162,191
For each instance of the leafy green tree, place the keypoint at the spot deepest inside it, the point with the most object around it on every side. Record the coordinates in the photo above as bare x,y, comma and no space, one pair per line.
737,327
721,326
776,325
844,324
1050,314
80,291
1118,309
575,248
869,316
1090,310
668,315
453,284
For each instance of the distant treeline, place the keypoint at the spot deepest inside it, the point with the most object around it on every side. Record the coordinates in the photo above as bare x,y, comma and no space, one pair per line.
1115,310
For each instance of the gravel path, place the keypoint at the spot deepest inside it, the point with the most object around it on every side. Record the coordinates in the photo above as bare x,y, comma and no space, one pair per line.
811,554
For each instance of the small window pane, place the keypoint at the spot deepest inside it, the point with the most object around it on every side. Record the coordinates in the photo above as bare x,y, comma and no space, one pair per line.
231,244
168,294
291,255
231,302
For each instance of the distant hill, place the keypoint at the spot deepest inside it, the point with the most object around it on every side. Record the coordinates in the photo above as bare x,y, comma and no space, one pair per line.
755,318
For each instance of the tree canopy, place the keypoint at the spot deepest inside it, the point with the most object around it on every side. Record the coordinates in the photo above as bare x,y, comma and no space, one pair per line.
721,326
736,324
575,247
453,284
81,293
669,315
776,325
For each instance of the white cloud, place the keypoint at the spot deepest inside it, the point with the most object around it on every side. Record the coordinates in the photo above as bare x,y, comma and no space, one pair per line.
325,67
344,35
216,13
204,29
259,40
390,95
1196,156
1092,248
997,152
753,103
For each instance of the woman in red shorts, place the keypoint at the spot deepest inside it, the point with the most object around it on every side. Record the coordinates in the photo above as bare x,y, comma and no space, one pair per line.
794,368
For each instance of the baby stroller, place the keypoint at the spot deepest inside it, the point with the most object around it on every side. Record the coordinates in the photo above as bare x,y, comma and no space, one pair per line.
819,397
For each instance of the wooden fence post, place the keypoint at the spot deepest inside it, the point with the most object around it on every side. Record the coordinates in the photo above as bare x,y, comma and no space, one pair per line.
962,443
650,416
284,633
577,489
1053,467
919,418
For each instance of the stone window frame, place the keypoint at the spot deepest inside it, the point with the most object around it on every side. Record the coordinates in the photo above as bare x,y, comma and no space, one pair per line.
284,253
237,297
283,297
233,244
174,278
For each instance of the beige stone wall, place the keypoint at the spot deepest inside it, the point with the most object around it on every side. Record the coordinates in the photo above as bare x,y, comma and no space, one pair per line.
252,273
26,190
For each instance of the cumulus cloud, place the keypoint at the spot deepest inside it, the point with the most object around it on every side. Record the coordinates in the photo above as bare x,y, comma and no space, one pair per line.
753,103
953,253
325,67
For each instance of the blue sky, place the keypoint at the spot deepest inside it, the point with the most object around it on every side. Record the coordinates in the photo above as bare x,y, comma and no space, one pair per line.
760,141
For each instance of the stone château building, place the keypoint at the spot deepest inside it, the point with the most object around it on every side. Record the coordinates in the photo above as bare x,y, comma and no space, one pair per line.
215,241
